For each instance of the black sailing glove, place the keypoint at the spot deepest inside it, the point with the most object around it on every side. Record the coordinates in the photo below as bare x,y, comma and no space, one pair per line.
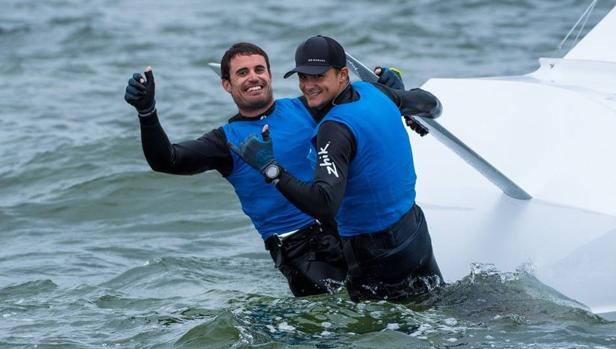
390,77
256,151
140,92
415,126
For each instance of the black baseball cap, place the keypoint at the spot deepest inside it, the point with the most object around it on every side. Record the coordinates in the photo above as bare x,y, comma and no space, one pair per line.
317,55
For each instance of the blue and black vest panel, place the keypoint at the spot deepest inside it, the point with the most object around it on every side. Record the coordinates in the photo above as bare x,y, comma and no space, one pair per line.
291,127
381,180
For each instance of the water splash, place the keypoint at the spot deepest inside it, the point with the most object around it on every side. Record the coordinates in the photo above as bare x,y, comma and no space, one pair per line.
487,307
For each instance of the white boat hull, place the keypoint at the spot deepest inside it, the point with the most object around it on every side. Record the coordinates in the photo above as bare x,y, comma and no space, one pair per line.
552,132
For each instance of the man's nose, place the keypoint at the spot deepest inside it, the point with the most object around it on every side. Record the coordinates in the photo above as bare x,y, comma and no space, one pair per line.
308,83
252,75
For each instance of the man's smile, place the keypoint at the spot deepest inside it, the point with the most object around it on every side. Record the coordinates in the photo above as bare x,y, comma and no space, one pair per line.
255,89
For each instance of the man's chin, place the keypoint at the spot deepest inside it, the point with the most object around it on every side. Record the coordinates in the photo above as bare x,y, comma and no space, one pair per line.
256,104
317,103
249,103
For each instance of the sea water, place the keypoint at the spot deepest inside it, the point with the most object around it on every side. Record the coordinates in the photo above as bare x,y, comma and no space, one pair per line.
98,251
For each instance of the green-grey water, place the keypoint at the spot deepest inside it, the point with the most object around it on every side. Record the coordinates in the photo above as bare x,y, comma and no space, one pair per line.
99,251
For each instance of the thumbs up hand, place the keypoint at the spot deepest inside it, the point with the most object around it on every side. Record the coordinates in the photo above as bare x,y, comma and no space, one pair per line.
256,151
140,92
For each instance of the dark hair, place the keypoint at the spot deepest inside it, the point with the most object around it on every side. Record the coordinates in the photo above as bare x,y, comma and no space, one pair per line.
241,48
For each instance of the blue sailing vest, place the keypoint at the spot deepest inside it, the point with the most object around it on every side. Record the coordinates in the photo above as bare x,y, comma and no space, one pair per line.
291,127
381,179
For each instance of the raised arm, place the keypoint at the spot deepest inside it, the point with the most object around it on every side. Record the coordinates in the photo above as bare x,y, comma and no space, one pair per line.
205,153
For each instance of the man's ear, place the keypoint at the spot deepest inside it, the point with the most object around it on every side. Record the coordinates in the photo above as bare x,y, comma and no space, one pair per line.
343,76
226,84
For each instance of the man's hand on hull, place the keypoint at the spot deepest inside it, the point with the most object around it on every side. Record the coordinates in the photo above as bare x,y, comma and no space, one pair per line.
140,92
392,77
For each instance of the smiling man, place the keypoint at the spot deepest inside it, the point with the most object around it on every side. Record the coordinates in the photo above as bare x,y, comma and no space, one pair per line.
306,251
364,177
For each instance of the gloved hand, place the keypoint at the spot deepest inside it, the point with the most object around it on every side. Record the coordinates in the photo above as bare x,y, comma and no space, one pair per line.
140,92
256,151
415,126
390,76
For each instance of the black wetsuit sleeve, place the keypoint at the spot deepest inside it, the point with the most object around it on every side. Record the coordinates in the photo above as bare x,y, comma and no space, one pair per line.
413,102
209,152
393,94
322,197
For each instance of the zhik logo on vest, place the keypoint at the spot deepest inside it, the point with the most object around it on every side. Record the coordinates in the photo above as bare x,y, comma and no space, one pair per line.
326,161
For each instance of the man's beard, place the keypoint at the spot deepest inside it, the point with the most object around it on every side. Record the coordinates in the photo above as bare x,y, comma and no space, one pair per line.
254,105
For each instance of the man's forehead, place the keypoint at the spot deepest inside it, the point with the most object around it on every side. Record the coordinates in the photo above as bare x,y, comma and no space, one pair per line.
241,61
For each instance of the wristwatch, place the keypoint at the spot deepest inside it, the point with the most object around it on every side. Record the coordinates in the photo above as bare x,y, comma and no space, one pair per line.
271,172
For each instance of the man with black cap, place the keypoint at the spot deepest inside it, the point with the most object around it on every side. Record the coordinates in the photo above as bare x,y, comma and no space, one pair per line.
307,252
364,176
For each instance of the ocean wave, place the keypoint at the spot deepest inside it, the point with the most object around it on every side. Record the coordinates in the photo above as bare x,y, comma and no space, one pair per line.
476,310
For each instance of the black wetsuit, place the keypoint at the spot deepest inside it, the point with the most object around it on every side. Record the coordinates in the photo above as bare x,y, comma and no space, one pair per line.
380,265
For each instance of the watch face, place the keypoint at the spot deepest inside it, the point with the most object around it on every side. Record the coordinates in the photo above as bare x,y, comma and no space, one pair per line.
272,171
